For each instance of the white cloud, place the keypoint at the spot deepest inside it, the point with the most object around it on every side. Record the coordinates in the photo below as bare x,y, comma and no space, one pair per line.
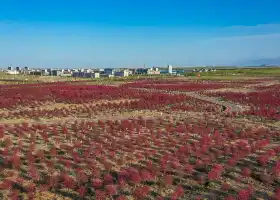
248,37
260,29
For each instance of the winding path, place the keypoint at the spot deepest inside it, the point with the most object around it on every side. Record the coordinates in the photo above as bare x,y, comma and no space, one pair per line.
231,107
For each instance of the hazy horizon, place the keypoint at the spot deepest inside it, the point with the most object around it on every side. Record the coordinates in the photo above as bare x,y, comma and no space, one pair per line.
60,34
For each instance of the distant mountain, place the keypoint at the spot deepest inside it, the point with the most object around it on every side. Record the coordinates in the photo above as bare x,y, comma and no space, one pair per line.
262,61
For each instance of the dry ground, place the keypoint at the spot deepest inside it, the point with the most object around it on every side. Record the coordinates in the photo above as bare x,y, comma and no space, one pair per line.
238,90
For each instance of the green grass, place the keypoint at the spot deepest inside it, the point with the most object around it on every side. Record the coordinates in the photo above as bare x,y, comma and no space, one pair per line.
229,74
220,77
246,72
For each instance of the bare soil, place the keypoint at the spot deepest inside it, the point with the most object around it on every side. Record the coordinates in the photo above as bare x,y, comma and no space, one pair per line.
237,90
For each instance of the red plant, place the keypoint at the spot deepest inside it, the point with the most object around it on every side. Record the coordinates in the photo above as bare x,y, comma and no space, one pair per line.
146,175
225,187
97,183
276,168
14,194
8,142
122,197
135,177
16,161
100,195
141,192
122,183
43,188
277,193
179,192
111,190
230,198
243,195
53,181
33,173
30,195
198,198
246,172
168,179
215,172
108,179
6,184
82,191
69,181
2,133
250,190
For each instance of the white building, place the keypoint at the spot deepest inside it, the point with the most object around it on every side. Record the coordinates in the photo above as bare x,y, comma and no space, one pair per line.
169,69
66,73
96,75
123,73
12,72
153,71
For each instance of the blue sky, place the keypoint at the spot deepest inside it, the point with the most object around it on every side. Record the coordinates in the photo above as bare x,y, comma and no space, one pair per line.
125,33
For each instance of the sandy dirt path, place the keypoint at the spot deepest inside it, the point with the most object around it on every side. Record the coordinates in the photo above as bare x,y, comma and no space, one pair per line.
232,106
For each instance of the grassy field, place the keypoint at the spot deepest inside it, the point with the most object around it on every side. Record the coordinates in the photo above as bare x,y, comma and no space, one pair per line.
235,74
245,72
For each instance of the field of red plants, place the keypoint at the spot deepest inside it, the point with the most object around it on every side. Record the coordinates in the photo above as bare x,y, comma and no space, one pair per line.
148,139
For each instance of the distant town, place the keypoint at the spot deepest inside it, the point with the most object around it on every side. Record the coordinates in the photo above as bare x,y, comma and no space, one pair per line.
107,72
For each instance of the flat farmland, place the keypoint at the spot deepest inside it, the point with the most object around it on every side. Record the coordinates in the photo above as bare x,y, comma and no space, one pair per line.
143,139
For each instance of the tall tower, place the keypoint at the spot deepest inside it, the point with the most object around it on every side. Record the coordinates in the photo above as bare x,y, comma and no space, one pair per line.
169,69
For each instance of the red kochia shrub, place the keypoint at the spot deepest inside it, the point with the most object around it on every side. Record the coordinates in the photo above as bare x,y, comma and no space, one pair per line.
244,195
16,161
246,172
168,179
111,190
230,198
141,192
122,197
97,183
189,168
225,187
179,192
100,195
215,172
146,175
263,160
108,179
82,191
2,134
6,184
276,168
277,193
